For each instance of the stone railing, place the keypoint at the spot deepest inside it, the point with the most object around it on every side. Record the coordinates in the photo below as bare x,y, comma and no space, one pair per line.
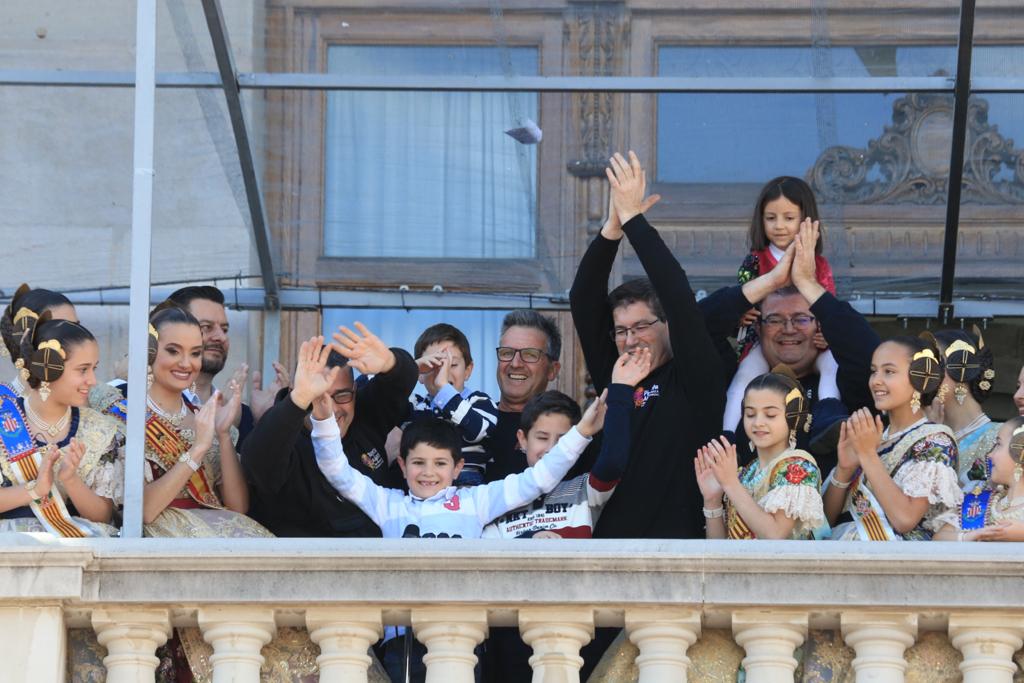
880,597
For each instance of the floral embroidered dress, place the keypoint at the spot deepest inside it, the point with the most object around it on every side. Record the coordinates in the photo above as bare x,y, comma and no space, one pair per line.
101,470
922,461
790,482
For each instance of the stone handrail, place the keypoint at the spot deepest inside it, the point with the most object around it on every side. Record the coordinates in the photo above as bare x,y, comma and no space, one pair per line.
131,592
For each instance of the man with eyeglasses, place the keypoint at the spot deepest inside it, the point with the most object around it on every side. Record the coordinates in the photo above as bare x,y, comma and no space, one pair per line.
527,353
290,496
678,406
793,307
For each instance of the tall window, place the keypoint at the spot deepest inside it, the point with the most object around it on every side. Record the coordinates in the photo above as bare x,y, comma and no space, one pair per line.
429,174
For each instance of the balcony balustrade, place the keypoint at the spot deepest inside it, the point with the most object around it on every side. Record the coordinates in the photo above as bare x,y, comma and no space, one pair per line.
672,598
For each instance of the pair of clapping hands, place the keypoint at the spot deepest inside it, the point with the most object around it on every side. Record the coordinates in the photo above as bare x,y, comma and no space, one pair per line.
313,379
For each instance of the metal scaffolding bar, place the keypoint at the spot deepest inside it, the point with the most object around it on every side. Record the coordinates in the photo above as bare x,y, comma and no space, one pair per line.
557,84
257,213
141,247
620,84
961,95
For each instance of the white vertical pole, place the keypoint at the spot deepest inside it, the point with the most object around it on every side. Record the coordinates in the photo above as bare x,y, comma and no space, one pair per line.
142,226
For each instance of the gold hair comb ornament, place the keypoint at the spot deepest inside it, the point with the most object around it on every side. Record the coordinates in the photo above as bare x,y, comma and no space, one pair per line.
54,345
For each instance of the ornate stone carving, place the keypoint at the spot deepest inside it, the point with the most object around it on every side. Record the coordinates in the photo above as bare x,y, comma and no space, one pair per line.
595,37
909,162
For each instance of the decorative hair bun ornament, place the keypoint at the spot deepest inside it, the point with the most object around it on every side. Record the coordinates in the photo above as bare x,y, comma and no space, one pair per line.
925,371
47,365
798,414
152,343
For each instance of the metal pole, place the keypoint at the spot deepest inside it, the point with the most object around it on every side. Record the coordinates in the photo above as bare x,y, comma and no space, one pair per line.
961,95
142,228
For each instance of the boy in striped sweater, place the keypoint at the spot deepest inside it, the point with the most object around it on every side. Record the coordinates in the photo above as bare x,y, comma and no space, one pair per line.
445,363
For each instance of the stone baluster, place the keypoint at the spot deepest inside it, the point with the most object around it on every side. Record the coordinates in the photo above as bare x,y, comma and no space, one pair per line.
237,635
131,637
769,639
663,636
450,635
556,636
344,635
879,640
988,642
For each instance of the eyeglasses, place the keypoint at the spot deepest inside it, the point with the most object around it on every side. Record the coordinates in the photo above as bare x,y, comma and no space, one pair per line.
507,353
798,322
344,396
638,329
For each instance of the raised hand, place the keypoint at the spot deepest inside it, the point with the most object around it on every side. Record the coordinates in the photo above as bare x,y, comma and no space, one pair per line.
593,416
364,350
750,317
261,400
230,411
323,407
72,456
723,462
612,229
847,455
205,424
312,377
865,432
44,482
709,487
632,367
441,376
628,185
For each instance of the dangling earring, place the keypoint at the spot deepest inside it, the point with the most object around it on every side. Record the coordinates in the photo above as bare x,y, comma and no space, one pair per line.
1018,472
792,439
915,402
960,392
149,378
988,468
44,391
22,370
193,388
943,393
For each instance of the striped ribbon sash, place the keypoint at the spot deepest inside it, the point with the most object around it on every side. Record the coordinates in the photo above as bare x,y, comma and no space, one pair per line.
165,445
736,528
21,460
867,513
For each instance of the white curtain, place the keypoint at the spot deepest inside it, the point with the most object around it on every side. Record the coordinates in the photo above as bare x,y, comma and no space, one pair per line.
429,174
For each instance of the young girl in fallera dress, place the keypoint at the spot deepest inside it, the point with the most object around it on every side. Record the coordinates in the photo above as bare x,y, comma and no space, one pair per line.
897,482
775,496
995,512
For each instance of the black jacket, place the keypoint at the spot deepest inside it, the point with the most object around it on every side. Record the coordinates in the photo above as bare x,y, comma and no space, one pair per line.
289,494
677,408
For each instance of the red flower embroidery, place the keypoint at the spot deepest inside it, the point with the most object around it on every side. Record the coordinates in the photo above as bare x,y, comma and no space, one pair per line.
638,398
795,473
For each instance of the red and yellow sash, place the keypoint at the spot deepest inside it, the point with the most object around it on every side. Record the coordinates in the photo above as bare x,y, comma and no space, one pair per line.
20,461
164,445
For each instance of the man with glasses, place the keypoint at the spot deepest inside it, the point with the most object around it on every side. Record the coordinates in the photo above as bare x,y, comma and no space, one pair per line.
290,496
678,406
527,353
793,307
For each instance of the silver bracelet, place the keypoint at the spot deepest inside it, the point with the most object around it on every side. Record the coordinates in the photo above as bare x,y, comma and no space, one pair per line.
835,482
187,459
714,514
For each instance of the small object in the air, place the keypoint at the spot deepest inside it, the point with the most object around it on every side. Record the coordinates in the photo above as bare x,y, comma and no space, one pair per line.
529,133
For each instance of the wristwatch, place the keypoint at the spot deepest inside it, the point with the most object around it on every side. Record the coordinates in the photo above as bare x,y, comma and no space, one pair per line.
187,459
